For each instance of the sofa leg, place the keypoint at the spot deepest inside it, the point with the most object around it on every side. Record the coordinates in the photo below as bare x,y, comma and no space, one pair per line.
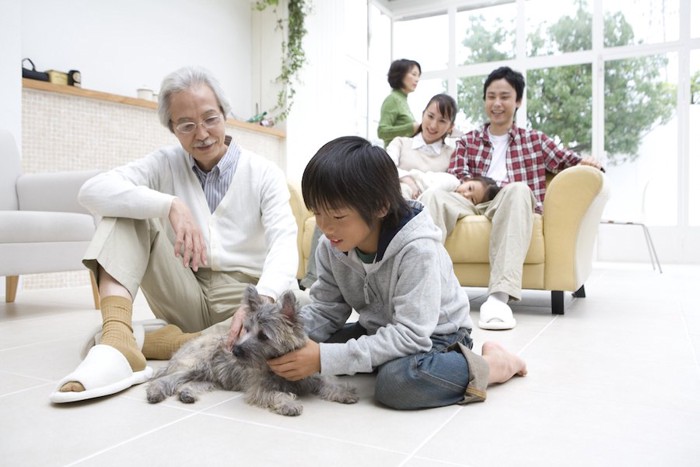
557,302
11,283
580,293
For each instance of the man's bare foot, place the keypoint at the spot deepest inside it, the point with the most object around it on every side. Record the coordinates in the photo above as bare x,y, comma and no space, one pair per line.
503,365
72,386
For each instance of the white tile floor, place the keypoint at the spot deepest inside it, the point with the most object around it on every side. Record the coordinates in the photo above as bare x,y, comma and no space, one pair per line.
615,381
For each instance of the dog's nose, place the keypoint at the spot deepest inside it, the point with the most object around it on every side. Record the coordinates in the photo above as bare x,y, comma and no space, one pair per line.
237,351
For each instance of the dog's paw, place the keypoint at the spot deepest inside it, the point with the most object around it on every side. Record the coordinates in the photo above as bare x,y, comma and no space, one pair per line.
339,393
291,409
345,395
348,397
154,397
187,397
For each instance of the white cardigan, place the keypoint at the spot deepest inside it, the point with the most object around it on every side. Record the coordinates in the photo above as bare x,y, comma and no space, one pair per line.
252,231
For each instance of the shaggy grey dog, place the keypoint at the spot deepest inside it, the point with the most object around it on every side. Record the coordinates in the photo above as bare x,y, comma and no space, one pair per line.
272,330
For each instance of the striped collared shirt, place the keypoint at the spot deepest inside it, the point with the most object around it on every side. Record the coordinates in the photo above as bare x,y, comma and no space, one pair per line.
216,182
529,155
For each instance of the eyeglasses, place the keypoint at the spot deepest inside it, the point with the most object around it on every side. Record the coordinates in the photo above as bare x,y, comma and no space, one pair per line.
208,123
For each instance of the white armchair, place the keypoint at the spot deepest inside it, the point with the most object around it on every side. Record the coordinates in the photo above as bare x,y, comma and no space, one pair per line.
42,227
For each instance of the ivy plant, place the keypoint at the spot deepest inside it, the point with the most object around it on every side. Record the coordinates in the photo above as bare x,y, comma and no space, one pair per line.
293,56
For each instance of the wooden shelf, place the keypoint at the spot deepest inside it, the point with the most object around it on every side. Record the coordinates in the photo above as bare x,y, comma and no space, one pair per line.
104,96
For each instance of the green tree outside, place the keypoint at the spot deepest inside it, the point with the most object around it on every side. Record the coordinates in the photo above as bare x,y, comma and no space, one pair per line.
695,88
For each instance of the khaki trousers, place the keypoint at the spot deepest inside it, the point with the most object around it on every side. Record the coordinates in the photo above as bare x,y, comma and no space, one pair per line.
138,254
511,216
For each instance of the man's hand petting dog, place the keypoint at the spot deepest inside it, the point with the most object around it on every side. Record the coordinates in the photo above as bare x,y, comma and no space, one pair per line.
237,330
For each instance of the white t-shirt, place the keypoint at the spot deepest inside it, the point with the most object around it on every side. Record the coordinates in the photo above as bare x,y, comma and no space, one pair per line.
497,169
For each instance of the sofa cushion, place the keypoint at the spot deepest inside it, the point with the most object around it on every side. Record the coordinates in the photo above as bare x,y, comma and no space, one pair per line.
39,226
469,241
309,226
474,228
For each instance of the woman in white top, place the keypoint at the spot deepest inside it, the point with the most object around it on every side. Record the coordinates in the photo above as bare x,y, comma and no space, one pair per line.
422,160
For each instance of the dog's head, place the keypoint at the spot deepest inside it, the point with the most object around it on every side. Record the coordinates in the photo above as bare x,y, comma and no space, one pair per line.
271,329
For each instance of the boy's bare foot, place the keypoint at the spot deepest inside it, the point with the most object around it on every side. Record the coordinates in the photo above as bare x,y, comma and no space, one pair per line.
503,365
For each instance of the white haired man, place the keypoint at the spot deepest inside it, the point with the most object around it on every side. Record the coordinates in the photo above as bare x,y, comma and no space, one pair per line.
190,225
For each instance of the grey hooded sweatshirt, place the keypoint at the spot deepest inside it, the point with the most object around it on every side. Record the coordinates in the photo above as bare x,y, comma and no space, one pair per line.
410,294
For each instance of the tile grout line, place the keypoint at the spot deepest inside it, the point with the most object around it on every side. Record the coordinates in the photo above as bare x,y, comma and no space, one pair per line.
133,438
20,391
432,435
33,344
144,434
531,341
301,432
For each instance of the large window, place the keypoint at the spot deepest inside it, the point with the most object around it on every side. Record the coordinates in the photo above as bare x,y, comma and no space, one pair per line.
424,40
610,98
640,124
426,89
470,100
560,105
620,97
649,21
692,138
641,141
557,27
485,34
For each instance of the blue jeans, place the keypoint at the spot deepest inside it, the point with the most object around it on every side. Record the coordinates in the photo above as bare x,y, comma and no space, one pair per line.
435,378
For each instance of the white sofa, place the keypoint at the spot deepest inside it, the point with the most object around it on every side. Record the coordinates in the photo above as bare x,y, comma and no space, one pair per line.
42,227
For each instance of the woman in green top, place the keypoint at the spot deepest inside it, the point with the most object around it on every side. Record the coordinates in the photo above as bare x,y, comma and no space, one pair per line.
396,118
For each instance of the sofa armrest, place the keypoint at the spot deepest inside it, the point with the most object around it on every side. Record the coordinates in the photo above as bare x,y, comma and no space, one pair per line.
54,191
301,214
573,207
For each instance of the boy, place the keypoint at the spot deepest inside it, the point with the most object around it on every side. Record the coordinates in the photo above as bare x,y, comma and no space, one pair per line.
382,256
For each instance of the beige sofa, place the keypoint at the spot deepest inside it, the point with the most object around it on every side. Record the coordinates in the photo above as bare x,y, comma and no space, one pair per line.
560,257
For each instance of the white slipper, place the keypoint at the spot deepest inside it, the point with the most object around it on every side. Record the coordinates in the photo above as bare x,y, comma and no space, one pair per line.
496,316
104,371
140,329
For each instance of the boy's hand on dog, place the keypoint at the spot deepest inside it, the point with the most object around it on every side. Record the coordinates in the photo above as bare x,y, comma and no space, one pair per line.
298,364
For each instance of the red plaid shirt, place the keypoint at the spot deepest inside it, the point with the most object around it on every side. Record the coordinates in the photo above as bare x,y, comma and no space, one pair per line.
530,154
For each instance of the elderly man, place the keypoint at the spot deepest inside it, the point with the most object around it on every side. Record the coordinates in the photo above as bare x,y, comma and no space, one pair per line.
191,225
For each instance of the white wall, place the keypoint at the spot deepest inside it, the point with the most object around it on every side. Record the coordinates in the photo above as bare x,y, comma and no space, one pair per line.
10,76
267,55
329,99
120,45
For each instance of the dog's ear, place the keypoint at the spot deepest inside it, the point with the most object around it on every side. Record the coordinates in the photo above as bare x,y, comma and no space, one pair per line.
251,298
289,305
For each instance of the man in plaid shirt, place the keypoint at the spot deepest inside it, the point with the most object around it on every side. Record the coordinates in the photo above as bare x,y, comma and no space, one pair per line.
518,160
